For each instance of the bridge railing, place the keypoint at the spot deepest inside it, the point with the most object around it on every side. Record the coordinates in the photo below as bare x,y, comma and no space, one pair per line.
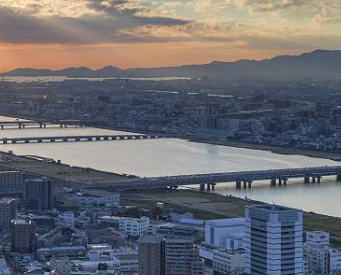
224,177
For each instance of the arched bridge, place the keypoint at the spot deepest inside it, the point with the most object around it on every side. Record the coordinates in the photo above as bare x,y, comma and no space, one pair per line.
242,179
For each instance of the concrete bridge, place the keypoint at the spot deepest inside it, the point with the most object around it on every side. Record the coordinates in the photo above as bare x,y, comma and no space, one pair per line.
21,124
25,140
42,123
242,179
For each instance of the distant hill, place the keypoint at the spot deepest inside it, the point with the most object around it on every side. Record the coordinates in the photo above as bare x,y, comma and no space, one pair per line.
317,64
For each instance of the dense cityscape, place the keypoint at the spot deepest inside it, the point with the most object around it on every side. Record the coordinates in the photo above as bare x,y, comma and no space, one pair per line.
298,114
55,224
168,137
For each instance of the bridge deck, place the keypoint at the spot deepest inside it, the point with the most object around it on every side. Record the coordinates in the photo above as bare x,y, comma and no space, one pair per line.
172,181
79,138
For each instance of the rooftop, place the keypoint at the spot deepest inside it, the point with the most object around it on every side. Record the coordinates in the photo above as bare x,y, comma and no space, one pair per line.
272,208
21,221
227,222
6,200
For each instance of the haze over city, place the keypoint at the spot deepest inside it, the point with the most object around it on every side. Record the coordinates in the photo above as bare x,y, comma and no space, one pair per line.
170,137
144,33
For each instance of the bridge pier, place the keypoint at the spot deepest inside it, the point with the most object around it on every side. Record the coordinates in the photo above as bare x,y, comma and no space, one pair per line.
314,179
338,177
273,182
250,183
238,184
280,182
213,186
307,180
245,184
202,187
285,182
208,186
319,179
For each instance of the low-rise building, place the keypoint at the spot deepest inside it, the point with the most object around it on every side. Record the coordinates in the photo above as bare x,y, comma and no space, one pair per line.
133,227
228,261
218,231
89,199
178,215
66,219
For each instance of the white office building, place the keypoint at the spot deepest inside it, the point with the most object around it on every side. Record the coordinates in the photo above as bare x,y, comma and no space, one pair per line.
134,227
220,233
273,240
321,258
97,199
228,261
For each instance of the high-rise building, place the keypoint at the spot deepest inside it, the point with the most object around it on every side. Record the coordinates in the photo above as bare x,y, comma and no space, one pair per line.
169,255
151,255
23,236
39,193
12,183
8,211
273,240
181,257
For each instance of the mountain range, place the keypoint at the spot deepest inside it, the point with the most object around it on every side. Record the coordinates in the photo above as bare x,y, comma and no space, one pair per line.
316,64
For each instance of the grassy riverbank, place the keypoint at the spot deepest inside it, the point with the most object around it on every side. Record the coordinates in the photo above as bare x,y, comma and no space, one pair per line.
49,168
211,206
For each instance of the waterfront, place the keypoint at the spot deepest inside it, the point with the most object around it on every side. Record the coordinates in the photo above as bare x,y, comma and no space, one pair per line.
173,156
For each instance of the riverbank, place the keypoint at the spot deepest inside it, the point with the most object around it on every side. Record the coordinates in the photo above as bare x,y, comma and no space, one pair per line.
239,144
272,148
63,174
230,143
212,205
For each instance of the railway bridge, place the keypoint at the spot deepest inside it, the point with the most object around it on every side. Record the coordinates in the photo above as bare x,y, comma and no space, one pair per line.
244,179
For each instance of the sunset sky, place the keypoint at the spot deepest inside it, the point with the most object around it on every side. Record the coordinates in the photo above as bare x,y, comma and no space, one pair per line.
147,33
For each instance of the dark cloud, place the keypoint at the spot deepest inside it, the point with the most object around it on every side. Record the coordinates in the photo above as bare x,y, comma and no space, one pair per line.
112,23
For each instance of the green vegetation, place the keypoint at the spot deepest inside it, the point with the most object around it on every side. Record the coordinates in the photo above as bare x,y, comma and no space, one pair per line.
211,206
57,170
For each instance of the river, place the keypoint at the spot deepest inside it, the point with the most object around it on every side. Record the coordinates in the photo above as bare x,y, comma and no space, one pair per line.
174,157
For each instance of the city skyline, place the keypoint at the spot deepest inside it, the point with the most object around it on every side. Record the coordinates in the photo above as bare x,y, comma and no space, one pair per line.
143,33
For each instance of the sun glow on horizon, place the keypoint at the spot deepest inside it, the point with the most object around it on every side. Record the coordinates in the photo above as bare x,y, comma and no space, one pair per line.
144,33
